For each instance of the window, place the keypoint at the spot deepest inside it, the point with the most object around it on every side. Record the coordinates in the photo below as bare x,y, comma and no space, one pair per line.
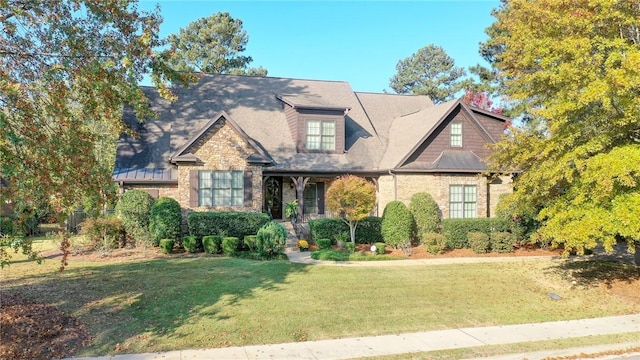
456,134
462,201
220,188
321,135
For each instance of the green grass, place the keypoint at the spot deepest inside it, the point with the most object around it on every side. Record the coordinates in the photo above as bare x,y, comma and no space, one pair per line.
518,348
204,302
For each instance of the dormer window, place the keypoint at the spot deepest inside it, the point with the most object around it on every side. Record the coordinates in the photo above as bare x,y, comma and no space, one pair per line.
321,135
456,134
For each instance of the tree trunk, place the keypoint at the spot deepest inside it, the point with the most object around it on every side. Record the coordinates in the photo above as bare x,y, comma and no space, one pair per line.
352,231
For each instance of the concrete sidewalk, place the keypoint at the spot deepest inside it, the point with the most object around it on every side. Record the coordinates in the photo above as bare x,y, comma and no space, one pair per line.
359,347
305,258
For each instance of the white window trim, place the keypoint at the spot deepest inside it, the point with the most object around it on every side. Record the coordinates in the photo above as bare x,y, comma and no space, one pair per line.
457,135
465,211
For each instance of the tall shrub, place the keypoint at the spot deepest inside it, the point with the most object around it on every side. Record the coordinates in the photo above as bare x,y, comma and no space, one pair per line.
165,220
271,238
426,213
397,224
134,208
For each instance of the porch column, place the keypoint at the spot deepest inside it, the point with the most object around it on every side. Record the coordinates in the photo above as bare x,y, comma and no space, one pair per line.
300,182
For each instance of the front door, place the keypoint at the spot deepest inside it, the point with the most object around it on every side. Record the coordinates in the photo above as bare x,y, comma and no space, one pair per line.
273,197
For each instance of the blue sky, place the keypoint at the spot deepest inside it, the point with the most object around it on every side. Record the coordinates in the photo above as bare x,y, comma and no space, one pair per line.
356,41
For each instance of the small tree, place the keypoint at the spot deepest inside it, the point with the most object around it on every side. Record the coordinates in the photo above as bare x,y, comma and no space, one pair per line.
354,198
425,213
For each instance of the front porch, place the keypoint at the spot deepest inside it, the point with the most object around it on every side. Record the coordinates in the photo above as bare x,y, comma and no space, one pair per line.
310,191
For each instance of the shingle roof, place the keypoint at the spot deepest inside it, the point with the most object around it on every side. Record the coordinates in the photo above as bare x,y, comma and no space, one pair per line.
380,128
406,132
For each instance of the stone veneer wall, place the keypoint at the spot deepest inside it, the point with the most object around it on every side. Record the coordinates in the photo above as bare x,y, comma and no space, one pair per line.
221,148
438,186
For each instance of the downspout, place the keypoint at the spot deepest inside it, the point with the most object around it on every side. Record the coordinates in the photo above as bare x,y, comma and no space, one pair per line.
395,186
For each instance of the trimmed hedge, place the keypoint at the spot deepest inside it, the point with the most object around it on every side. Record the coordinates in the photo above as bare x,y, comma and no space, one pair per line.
368,230
397,224
502,242
166,245
165,220
134,208
190,244
426,213
456,230
479,242
230,245
434,243
250,242
380,248
323,243
232,224
212,244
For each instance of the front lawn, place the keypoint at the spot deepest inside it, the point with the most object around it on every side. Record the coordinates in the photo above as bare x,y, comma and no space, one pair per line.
202,302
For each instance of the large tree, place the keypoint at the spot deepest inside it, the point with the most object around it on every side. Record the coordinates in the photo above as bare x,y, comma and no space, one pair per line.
575,65
214,44
67,68
430,71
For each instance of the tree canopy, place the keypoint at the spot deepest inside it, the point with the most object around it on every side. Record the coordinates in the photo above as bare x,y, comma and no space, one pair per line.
214,45
353,197
68,67
574,65
430,71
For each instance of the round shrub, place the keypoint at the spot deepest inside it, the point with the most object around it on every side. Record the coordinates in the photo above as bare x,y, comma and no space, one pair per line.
350,247
434,243
250,242
502,242
323,244
271,238
190,244
478,242
104,232
134,208
166,245
380,248
426,213
397,224
165,220
230,245
212,244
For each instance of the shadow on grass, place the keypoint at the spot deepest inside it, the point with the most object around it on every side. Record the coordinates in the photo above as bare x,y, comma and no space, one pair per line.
593,272
138,301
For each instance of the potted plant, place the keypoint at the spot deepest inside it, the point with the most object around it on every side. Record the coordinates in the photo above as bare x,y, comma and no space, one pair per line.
342,238
291,211
303,245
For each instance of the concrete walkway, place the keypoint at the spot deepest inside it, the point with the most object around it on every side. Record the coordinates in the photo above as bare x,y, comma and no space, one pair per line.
305,258
360,347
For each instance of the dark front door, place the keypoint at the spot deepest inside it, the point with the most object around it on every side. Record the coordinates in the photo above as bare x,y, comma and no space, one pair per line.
273,197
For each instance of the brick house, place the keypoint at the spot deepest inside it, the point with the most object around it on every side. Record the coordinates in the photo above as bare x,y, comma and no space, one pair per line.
256,143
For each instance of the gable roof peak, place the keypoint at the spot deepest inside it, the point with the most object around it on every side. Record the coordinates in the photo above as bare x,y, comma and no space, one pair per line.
182,153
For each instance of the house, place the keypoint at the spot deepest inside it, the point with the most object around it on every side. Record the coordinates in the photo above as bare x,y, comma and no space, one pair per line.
244,143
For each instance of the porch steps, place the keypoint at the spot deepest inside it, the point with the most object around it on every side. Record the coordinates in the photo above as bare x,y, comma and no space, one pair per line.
292,239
